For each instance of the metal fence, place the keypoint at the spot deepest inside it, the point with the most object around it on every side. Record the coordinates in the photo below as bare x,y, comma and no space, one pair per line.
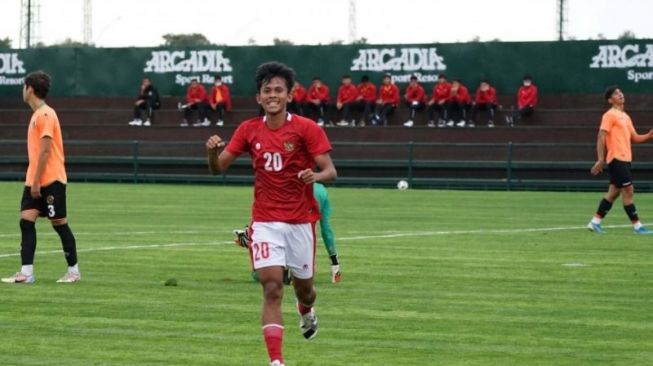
504,166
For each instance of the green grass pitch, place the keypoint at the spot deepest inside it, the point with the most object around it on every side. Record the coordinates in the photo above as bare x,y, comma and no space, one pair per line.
429,278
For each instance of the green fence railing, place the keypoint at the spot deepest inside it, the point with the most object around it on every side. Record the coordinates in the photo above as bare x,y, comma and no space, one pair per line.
505,166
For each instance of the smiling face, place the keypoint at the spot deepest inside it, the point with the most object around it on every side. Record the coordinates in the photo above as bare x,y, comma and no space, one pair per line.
273,96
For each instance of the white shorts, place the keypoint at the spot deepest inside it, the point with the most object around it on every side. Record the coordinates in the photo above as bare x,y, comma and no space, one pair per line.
285,245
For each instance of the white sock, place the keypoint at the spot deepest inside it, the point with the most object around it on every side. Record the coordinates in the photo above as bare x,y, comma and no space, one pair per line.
27,270
74,269
637,225
596,220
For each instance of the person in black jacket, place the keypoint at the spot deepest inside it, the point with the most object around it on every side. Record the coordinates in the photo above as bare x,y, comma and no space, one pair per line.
148,100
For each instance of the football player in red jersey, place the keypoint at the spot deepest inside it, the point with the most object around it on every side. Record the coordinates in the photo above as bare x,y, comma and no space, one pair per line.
285,148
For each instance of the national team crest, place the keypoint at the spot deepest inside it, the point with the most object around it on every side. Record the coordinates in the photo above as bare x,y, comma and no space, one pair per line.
49,199
289,146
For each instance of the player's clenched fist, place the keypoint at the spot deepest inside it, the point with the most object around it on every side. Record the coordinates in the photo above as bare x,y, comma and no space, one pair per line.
214,142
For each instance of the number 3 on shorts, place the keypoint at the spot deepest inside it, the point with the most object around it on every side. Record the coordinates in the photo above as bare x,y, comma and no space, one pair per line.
51,212
261,250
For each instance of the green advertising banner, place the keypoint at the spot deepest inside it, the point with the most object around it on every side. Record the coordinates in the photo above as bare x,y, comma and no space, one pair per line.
572,67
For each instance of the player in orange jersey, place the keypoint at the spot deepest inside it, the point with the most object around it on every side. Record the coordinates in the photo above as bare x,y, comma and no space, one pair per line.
45,183
616,135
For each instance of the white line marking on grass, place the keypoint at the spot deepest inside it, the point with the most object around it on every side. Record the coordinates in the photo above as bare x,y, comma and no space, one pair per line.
385,236
121,233
576,265
127,247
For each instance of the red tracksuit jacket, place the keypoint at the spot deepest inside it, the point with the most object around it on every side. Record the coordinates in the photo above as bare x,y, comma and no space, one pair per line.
415,94
462,96
194,95
320,93
226,96
299,93
486,97
527,96
389,94
441,91
347,94
367,91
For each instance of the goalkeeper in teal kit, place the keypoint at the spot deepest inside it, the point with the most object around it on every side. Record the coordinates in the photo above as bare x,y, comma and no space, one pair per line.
322,198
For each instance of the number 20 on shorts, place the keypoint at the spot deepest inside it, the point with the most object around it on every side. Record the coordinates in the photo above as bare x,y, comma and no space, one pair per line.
260,251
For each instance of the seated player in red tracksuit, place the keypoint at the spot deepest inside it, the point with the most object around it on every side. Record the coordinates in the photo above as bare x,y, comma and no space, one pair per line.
459,104
485,100
526,101
345,101
317,99
415,99
439,101
366,99
387,102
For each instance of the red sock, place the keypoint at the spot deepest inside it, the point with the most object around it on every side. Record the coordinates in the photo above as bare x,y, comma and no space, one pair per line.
273,335
303,309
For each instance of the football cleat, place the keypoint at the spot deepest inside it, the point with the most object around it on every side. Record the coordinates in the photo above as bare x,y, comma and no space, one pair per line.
335,274
70,277
409,123
308,323
242,237
147,123
276,363
643,231
19,278
597,228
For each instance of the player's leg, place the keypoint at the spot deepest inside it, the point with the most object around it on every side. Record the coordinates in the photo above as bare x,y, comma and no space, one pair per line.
31,208
268,255
55,200
271,318
300,257
628,198
329,240
137,121
604,207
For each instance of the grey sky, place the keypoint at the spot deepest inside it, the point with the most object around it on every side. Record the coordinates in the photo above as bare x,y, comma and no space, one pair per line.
125,23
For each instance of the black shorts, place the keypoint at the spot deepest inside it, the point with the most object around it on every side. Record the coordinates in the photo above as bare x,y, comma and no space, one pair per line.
620,175
52,203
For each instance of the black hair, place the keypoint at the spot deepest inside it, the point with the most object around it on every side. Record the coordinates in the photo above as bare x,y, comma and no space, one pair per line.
365,79
346,76
194,79
265,72
218,77
413,77
528,77
442,76
457,81
39,81
609,91
316,78
485,81
387,76
146,78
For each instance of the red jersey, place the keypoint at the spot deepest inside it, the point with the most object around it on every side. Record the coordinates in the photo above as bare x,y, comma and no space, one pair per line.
389,94
220,94
299,93
277,157
367,91
415,94
441,91
347,93
320,93
461,96
195,95
486,97
527,96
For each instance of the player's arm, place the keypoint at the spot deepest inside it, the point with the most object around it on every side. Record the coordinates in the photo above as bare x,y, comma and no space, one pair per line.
600,153
218,162
327,171
639,139
45,147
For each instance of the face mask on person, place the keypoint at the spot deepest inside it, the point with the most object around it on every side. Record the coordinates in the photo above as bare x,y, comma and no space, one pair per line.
527,83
